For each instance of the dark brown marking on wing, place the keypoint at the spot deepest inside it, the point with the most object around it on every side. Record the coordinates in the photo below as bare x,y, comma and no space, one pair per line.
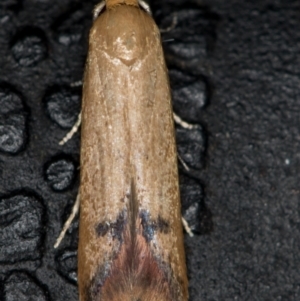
134,273
116,228
150,226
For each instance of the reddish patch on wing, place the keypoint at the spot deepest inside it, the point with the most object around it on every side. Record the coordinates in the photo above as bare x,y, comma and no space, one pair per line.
135,274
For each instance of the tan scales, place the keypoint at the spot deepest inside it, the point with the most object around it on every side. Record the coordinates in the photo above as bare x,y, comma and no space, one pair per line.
130,237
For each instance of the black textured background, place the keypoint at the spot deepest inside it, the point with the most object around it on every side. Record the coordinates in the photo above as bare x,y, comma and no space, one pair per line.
235,71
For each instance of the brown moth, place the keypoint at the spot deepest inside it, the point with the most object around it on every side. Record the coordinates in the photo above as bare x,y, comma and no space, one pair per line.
130,236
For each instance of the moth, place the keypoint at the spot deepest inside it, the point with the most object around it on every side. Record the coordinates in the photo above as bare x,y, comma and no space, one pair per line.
130,235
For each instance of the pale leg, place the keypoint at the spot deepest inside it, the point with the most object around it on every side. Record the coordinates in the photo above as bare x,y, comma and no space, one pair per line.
73,130
145,6
187,227
184,124
97,10
68,223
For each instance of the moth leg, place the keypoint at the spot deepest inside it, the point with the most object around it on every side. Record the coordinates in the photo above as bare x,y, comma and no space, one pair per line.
73,130
76,84
145,6
186,227
69,221
172,26
188,126
97,10
183,163
183,123
185,224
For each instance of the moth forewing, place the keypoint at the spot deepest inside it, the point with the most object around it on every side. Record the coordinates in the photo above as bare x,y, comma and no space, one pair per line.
130,237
